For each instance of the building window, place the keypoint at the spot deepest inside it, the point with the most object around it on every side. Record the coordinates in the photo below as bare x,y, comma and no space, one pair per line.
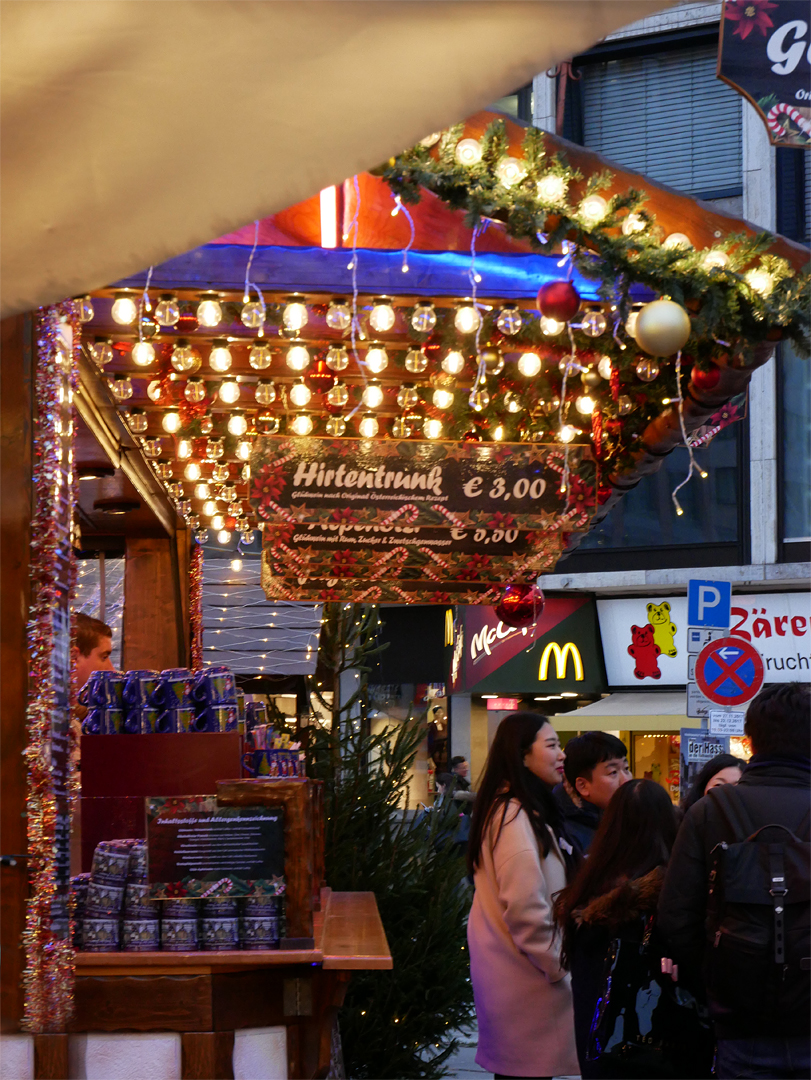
518,104
666,115
795,453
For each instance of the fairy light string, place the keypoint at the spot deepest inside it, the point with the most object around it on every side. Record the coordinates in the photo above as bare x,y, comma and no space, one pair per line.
693,465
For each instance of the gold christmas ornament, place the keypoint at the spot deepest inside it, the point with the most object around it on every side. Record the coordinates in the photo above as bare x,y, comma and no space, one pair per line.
662,328
492,359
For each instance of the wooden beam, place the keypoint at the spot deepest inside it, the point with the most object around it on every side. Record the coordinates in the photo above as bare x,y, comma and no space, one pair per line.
16,420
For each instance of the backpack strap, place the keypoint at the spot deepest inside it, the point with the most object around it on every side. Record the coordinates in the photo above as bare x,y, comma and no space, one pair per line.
777,891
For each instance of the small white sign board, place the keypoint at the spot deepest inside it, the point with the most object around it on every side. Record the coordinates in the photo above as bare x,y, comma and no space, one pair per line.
698,706
726,723
699,636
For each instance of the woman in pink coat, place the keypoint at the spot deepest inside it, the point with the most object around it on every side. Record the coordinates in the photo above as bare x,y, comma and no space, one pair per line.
520,859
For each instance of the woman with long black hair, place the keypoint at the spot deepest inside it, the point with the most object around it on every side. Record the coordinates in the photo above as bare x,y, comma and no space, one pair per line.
630,1020
519,857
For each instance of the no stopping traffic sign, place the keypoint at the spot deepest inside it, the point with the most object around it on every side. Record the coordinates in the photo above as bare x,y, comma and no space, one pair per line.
729,671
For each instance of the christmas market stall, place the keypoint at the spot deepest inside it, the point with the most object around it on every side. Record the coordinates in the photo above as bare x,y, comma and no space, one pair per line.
420,386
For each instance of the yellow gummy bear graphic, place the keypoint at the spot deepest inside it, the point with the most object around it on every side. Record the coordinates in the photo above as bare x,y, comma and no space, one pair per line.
663,629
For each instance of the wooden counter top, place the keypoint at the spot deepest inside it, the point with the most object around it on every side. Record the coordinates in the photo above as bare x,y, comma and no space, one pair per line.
348,936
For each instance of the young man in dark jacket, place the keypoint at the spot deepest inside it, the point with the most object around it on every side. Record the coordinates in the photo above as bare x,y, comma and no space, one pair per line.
771,1037
596,765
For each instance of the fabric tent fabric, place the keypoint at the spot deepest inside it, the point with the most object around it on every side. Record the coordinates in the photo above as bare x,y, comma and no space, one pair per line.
663,711
135,131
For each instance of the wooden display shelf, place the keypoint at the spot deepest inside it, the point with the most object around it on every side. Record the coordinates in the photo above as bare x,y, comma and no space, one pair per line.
207,996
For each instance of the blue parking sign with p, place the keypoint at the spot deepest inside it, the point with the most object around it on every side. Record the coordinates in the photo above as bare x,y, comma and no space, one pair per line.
708,603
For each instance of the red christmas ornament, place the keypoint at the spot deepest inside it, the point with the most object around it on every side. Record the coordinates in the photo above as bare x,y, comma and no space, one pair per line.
520,605
705,380
187,323
320,377
559,300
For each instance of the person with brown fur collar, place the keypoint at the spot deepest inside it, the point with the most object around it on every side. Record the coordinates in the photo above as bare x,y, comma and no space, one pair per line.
614,897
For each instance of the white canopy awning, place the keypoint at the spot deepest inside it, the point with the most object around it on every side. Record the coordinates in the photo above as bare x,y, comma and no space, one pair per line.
665,711
133,132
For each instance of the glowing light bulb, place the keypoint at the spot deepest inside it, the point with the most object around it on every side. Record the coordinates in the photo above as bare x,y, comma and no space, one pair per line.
368,427
551,188
184,357
337,358
513,402
247,536
467,319
551,327
377,359
194,390
432,429
604,367
253,315
237,423
630,323
259,357
143,353
593,323
760,281
423,318
201,491
167,312
209,311
184,449
300,394
336,425
499,433
295,316
585,405
338,315
85,307
677,240
454,363
372,396
153,448
137,421
265,392
209,508
509,319
400,428
244,449
298,358
593,209
468,152
102,351
338,395
567,433
633,223
220,359
122,388
416,361
715,260
443,399
124,310
381,317
223,536
192,471
229,391
510,171
301,424
529,364
479,399
407,397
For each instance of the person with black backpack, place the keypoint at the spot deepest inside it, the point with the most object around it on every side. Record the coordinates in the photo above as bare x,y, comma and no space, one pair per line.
735,902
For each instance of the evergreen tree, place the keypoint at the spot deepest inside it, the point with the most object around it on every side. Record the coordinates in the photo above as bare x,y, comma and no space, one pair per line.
397,1023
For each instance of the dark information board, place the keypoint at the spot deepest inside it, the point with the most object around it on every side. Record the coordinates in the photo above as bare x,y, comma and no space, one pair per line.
193,842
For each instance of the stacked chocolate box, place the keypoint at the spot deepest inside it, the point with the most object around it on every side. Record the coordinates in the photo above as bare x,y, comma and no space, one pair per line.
261,922
140,929
105,896
179,929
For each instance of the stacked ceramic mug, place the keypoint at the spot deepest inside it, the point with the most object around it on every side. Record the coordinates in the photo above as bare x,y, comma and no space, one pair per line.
179,931
140,929
105,896
261,922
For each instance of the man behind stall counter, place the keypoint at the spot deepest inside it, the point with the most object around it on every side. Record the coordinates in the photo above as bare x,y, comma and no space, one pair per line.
596,766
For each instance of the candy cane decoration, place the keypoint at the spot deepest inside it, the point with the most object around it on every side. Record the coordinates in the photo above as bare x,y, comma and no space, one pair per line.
407,508
283,514
778,127
226,882
293,556
443,563
452,518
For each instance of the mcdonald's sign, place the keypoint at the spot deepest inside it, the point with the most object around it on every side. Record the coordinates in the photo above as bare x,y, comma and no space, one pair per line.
561,660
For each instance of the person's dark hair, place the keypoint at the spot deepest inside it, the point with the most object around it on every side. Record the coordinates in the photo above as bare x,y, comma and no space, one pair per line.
585,751
636,834
457,760
88,632
711,769
446,779
777,721
506,777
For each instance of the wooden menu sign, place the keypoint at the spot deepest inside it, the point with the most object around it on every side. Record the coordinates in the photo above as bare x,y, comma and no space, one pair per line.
333,550
193,843
440,484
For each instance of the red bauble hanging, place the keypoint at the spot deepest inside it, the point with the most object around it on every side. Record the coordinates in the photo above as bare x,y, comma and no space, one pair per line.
520,605
559,300
320,377
705,380
187,323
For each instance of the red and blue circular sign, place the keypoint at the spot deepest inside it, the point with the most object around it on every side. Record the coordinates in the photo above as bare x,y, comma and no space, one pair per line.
729,671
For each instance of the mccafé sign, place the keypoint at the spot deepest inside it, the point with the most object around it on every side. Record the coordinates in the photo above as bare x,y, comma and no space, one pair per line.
561,652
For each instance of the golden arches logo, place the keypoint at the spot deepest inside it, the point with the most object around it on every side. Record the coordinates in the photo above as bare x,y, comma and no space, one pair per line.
561,660
449,626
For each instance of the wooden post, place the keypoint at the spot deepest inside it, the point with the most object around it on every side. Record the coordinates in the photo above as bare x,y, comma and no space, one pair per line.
155,632
16,419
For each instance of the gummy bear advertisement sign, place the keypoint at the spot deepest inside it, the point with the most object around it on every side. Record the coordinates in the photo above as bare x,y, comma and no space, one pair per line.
645,638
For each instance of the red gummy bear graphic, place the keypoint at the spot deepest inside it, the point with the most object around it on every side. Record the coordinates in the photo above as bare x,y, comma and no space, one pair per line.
645,652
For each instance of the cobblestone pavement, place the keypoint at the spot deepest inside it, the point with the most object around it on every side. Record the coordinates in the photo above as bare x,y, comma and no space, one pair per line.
462,1065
